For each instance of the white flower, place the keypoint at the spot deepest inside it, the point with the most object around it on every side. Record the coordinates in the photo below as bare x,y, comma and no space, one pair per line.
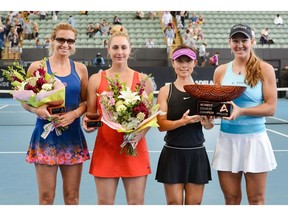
129,96
37,74
47,86
32,81
118,103
140,116
22,86
122,108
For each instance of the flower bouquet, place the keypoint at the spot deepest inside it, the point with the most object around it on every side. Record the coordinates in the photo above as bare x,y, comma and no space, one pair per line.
128,112
36,88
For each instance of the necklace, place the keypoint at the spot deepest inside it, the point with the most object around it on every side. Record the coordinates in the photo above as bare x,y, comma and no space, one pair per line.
239,73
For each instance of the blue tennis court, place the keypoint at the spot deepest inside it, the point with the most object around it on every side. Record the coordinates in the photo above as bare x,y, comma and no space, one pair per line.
18,180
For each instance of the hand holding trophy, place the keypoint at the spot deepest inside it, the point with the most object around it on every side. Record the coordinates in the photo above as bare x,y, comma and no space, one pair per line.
94,120
56,107
213,98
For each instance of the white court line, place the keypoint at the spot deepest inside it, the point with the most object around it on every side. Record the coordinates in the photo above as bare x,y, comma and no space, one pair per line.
13,152
21,111
281,134
282,120
4,106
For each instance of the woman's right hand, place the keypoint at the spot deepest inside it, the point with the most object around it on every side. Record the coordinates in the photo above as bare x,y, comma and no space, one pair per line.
42,112
186,119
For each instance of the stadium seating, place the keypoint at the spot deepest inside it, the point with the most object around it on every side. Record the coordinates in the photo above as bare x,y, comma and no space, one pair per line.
218,23
139,30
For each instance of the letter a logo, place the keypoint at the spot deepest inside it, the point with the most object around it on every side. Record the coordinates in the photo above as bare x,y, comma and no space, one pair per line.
224,108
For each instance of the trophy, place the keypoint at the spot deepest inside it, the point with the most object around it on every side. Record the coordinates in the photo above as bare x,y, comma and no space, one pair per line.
94,120
212,99
56,107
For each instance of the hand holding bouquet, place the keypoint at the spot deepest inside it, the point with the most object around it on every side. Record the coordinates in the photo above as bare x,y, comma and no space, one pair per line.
128,112
36,89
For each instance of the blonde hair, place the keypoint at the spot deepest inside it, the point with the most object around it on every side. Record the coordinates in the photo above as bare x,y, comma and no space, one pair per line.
58,27
253,70
118,30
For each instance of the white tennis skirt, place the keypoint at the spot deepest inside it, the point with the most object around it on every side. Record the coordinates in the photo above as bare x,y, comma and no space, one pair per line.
243,152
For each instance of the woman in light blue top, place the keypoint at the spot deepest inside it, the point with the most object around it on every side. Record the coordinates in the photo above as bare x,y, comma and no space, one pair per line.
243,147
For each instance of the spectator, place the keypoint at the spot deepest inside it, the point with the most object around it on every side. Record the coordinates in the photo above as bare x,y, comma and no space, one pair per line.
98,60
72,21
21,20
203,54
13,40
214,60
179,22
54,15
105,44
116,21
84,13
152,15
38,44
97,29
200,20
35,29
42,15
183,14
278,20
46,43
189,39
8,26
90,30
18,26
166,18
110,27
150,43
200,34
104,28
193,18
170,35
28,30
264,36
139,15
190,28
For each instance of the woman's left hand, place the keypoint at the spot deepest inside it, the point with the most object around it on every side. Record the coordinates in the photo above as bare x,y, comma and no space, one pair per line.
65,119
236,111
207,122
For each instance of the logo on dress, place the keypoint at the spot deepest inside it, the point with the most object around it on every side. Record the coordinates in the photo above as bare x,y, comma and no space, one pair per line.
186,98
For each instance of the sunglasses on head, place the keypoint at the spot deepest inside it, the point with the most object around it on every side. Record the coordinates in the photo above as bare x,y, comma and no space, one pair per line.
63,40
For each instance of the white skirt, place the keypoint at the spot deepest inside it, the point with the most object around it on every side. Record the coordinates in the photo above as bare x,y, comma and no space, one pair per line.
243,152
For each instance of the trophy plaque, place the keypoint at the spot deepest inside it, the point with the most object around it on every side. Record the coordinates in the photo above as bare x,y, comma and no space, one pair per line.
56,107
210,108
213,98
94,120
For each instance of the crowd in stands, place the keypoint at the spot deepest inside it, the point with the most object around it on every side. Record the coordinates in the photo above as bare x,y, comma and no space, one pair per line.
16,26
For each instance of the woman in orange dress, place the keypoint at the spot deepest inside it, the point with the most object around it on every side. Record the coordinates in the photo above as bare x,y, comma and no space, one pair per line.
108,165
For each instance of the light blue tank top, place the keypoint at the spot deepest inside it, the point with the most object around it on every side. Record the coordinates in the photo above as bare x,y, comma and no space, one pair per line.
251,97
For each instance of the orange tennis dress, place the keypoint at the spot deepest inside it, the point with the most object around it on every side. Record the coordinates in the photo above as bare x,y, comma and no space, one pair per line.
106,159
